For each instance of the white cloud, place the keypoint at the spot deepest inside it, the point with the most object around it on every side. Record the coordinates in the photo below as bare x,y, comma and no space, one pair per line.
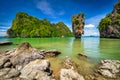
45,7
89,26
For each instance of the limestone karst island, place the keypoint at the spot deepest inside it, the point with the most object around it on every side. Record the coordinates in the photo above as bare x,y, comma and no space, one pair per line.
60,40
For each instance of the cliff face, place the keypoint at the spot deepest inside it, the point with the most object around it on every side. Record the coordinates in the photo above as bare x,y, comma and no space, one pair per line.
25,25
78,25
109,26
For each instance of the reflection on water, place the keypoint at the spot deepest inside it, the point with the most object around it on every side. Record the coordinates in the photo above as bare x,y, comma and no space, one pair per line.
94,47
91,47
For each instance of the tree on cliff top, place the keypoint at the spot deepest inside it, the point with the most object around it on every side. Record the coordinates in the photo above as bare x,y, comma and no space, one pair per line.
28,26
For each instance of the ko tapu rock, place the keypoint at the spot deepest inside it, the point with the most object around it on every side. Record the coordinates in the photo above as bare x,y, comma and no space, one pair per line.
109,26
78,25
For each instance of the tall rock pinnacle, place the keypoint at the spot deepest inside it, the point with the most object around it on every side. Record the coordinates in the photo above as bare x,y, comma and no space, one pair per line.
78,25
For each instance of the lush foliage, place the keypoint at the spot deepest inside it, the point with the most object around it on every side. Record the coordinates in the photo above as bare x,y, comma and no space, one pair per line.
104,23
28,26
112,19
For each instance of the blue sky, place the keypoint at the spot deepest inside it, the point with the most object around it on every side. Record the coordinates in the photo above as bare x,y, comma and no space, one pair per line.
55,11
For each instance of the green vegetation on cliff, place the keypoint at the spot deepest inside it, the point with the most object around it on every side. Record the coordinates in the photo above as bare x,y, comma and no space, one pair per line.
28,26
78,25
110,25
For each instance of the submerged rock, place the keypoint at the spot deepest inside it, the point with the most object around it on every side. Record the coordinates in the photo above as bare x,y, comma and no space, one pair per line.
109,68
78,25
82,56
69,72
6,43
50,53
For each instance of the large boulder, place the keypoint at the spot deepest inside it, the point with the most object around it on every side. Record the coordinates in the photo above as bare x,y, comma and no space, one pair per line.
78,25
109,68
24,54
38,70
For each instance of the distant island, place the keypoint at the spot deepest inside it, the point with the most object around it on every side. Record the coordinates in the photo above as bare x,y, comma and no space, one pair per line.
26,26
109,26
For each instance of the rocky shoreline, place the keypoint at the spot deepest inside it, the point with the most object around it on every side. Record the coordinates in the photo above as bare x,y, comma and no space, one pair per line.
27,63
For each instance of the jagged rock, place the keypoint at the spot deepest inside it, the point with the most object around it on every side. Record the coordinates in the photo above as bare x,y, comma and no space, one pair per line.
69,72
50,53
109,68
12,73
4,71
10,51
3,60
37,70
7,64
70,64
24,54
109,26
78,25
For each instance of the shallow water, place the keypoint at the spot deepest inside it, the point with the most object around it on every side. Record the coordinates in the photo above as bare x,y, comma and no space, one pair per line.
94,47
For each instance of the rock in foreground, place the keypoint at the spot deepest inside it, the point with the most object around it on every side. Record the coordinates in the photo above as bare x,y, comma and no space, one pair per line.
37,70
24,54
109,68
70,72
24,63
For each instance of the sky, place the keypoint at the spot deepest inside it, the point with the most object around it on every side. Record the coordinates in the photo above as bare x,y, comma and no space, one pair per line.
55,11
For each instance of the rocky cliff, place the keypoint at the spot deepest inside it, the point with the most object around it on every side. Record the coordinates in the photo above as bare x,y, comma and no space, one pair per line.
109,26
25,25
78,25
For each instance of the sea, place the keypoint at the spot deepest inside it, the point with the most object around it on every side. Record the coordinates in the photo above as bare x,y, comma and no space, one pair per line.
95,48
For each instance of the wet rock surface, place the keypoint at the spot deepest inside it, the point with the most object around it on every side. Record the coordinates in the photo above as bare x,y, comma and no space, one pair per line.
27,63
82,56
109,68
69,72
24,63
50,53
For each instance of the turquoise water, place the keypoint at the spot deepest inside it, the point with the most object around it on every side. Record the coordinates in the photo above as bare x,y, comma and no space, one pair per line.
94,47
